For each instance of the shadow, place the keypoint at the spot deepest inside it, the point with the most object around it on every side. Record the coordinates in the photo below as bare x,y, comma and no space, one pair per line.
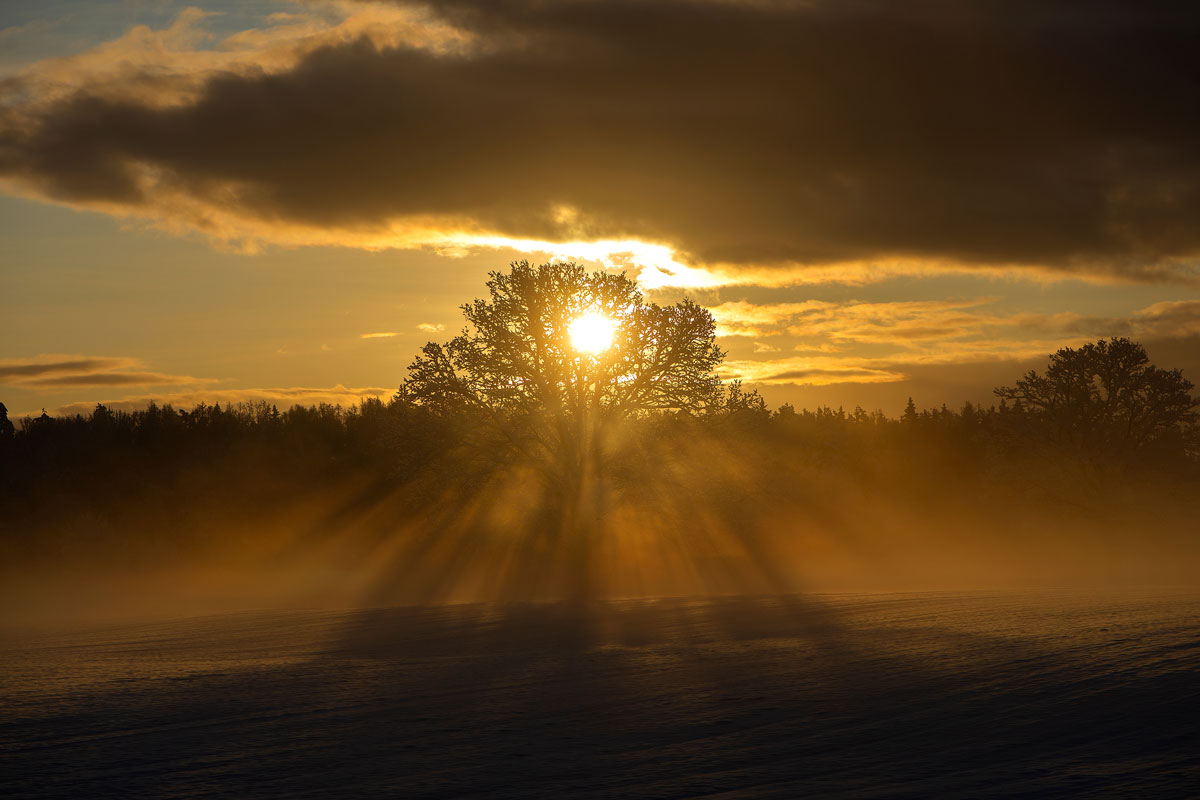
783,696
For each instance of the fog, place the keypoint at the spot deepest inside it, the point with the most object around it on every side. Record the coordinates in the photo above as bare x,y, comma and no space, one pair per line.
163,513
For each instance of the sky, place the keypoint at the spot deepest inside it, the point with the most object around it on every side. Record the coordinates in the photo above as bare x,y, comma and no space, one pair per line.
877,199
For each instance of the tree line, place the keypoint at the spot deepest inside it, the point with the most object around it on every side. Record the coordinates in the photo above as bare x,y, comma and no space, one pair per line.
167,474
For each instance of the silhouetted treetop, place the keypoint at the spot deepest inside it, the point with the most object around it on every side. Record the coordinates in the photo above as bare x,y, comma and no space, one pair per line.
516,356
1106,393
6,426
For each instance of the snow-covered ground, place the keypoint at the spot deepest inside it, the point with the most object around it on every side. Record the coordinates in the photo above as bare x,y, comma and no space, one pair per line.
885,695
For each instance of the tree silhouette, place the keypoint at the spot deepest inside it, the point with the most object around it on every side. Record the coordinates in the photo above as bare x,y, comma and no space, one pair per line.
549,401
1107,395
6,426
515,363
516,356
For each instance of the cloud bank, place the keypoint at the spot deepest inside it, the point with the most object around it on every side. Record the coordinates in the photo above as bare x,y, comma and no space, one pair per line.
984,134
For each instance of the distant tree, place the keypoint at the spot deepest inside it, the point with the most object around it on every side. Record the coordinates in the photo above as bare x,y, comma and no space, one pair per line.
737,402
102,415
7,429
1106,394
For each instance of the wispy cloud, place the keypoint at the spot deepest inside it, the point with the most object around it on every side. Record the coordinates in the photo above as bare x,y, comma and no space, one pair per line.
825,370
808,372
116,379
52,371
379,335
39,366
850,321
431,327
925,333
742,318
1170,318
15,32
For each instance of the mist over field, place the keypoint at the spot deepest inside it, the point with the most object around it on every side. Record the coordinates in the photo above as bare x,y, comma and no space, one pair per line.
164,511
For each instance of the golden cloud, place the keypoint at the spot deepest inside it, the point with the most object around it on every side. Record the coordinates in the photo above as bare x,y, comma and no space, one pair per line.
926,333
808,372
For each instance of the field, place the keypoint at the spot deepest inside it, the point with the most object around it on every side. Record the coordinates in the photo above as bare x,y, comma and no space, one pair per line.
868,695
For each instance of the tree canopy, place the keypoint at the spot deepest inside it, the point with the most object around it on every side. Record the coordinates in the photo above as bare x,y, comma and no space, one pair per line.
1106,394
516,364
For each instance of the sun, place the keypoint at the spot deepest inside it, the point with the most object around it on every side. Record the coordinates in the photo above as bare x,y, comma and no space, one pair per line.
592,332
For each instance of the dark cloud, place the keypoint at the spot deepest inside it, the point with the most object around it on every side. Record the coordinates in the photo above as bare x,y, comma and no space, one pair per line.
47,372
26,369
821,377
1040,132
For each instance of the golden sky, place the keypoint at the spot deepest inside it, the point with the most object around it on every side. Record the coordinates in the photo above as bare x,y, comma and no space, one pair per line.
283,200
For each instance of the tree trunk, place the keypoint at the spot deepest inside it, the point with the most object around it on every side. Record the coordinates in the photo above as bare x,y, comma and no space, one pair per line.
582,516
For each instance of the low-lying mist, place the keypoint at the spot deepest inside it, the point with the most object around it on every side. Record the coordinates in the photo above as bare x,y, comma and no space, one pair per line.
166,513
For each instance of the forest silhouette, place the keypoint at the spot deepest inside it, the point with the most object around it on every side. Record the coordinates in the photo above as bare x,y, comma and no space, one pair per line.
512,465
